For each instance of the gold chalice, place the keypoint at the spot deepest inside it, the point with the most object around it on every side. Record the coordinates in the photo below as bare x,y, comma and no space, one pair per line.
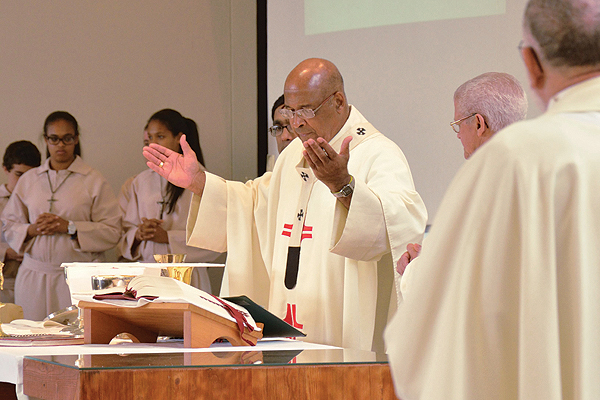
183,274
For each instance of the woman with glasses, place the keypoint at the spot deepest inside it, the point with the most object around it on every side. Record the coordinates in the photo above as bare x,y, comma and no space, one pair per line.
156,214
62,211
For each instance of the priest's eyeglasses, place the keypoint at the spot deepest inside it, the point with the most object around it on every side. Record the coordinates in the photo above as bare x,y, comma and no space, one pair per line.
304,113
456,124
67,139
277,130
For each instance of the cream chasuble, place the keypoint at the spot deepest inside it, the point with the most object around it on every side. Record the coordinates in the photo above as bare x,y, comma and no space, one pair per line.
148,199
503,301
81,195
339,294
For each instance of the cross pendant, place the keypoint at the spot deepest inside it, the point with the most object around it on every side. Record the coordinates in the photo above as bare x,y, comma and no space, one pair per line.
162,207
51,200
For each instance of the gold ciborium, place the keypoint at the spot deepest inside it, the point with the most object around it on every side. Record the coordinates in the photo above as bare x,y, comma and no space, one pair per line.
183,274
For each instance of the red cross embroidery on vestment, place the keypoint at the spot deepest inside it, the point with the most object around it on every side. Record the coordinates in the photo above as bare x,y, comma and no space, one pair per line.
306,231
290,317
287,230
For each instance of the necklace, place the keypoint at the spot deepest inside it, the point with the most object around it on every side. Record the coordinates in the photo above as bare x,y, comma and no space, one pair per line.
51,200
163,201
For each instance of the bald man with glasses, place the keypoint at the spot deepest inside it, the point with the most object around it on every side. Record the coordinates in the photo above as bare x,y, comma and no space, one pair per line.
316,240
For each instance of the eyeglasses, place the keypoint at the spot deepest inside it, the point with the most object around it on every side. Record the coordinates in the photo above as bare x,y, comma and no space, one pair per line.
304,113
67,139
277,130
456,124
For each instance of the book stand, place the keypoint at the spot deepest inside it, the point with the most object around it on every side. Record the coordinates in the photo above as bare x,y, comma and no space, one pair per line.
198,327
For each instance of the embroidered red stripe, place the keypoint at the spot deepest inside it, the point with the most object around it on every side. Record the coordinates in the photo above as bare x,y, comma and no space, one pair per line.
307,228
286,233
306,236
288,226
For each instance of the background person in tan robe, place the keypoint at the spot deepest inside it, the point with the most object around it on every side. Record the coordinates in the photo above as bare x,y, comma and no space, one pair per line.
503,303
281,130
62,211
156,213
124,196
19,158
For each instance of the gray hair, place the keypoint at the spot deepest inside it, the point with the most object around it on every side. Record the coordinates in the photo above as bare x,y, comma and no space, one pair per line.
567,31
498,96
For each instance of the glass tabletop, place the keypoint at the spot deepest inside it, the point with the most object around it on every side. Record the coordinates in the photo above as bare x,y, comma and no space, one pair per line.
211,359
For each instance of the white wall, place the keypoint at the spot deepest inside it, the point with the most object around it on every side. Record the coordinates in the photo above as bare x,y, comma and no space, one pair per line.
112,64
402,77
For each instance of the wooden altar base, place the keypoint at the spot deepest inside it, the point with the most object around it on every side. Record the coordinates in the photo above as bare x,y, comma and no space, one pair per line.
198,327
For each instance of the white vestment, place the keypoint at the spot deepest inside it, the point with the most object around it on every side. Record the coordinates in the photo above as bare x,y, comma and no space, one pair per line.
503,303
81,195
146,201
340,295
7,295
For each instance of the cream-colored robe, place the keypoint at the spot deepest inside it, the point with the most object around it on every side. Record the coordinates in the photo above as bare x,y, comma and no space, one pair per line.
84,198
342,296
7,295
503,303
145,195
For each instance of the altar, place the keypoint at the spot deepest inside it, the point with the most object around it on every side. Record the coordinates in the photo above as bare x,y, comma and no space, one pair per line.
271,370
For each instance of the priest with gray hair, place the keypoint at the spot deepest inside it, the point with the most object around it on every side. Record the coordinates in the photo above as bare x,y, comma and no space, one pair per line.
503,304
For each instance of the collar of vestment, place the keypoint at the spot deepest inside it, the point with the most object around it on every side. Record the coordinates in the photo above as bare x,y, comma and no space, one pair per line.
77,166
581,97
356,126
4,191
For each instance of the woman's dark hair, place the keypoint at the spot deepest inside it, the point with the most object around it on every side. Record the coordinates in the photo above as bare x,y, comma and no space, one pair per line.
21,152
65,116
175,123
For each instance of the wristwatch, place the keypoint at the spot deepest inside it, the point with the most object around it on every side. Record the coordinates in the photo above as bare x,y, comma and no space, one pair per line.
347,190
71,228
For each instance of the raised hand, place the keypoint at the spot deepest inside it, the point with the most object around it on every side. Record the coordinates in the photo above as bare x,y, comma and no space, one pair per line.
181,170
329,167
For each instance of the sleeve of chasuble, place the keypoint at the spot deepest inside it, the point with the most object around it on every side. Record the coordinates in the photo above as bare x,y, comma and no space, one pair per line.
386,212
222,202
207,221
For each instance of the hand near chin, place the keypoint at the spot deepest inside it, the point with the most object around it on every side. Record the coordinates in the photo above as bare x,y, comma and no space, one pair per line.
181,170
329,167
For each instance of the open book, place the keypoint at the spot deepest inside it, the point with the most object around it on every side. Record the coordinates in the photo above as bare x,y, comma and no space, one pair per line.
144,289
